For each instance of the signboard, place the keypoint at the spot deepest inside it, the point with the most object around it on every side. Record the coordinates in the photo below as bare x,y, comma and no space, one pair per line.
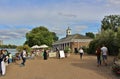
62,54
52,54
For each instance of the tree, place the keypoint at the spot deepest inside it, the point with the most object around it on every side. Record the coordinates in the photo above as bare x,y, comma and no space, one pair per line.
20,48
109,35
111,22
118,38
90,34
40,35
8,46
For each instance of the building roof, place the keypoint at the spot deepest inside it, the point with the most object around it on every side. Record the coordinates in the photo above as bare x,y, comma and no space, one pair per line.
71,38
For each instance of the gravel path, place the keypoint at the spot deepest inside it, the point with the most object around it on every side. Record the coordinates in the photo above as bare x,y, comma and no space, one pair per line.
68,68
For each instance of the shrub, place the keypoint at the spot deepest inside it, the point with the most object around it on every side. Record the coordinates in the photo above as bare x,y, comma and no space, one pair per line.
116,69
67,50
119,56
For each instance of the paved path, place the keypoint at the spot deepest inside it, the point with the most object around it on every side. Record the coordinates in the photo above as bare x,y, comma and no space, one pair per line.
69,68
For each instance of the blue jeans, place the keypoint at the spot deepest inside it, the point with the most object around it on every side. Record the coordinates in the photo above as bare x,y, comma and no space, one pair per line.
104,57
10,60
98,60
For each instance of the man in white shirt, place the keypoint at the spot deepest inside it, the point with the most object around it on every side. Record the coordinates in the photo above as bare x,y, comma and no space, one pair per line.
23,55
81,52
104,51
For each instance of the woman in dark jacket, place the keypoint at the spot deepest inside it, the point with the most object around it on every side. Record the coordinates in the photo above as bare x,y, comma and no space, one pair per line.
45,55
98,53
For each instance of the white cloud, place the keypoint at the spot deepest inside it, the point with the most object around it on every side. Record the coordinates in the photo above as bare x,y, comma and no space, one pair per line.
60,31
67,15
55,16
12,33
61,12
52,14
79,29
114,2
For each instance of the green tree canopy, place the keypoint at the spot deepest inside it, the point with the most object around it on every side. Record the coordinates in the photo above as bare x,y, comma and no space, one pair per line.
111,22
40,35
90,34
8,46
118,38
20,48
109,35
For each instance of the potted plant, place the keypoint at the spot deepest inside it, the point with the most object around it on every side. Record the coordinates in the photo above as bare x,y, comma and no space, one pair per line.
67,51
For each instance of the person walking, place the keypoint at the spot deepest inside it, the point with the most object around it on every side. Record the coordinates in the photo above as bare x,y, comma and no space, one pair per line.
2,63
1,59
104,52
23,55
45,55
81,52
98,54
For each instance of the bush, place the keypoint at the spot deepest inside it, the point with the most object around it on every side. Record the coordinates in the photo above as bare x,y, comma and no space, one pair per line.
85,49
119,56
67,50
92,47
116,69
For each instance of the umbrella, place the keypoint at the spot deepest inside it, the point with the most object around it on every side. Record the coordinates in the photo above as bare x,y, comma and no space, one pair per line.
35,46
43,46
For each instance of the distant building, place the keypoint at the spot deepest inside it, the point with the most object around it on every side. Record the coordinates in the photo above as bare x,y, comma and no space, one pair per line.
74,41
1,42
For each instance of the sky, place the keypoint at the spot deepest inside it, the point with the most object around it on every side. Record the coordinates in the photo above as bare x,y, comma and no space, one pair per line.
17,17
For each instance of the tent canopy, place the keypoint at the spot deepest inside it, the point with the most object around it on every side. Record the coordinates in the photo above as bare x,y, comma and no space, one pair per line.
35,46
43,46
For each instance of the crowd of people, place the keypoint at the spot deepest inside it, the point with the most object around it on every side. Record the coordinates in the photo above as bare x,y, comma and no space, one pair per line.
6,58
